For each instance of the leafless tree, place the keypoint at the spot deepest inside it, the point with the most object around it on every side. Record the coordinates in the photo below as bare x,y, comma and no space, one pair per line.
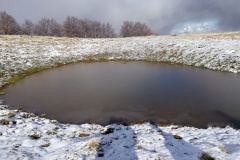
109,31
48,27
56,29
27,28
71,26
132,29
94,29
85,28
106,31
42,28
8,24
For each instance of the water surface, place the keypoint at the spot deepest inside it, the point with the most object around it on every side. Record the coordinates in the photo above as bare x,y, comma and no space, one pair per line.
107,92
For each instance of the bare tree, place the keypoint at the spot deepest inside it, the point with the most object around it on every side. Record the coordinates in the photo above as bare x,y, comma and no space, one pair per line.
42,28
71,26
27,28
127,29
131,29
8,24
89,29
56,29
85,28
109,31
48,27
95,29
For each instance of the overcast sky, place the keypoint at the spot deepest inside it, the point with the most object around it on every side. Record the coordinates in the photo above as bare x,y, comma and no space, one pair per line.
163,16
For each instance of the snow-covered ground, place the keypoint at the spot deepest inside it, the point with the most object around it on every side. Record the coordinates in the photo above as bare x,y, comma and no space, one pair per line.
26,136
30,137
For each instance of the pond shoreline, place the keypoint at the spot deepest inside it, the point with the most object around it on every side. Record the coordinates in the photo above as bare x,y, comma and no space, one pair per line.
217,51
30,136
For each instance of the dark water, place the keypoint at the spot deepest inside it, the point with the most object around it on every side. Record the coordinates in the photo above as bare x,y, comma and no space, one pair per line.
108,92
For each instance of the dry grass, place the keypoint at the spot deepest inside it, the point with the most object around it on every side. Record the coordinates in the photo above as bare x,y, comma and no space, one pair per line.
4,122
11,115
223,149
93,143
84,134
219,35
50,133
163,123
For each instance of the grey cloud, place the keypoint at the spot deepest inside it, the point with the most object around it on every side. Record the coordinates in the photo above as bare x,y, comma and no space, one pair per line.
161,15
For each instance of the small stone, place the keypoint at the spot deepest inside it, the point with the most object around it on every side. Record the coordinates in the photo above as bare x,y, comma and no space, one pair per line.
174,128
50,133
100,155
206,156
54,121
35,136
108,131
177,137
43,116
45,145
27,115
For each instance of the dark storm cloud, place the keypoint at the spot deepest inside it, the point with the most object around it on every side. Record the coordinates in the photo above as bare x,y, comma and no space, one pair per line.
161,15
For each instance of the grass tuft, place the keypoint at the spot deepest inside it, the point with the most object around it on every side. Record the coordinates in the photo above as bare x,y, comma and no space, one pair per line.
93,143
84,134
11,115
45,145
35,136
4,122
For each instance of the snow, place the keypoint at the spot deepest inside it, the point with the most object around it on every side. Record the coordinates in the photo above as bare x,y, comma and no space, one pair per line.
138,141
30,137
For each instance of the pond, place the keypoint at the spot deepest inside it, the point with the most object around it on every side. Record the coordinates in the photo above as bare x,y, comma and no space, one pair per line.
113,92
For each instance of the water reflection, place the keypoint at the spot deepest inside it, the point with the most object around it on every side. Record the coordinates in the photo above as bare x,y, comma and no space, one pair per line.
99,92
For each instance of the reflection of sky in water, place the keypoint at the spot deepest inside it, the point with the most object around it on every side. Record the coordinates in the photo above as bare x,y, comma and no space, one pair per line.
95,92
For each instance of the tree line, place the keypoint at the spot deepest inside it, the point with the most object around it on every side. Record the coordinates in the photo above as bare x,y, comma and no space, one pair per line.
71,27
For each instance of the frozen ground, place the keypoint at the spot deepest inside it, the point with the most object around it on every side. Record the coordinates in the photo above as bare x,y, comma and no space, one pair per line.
25,136
30,137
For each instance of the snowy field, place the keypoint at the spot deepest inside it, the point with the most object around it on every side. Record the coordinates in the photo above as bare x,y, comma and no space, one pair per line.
26,136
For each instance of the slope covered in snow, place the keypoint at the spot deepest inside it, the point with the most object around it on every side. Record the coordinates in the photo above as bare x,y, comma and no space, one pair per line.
213,51
26,136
